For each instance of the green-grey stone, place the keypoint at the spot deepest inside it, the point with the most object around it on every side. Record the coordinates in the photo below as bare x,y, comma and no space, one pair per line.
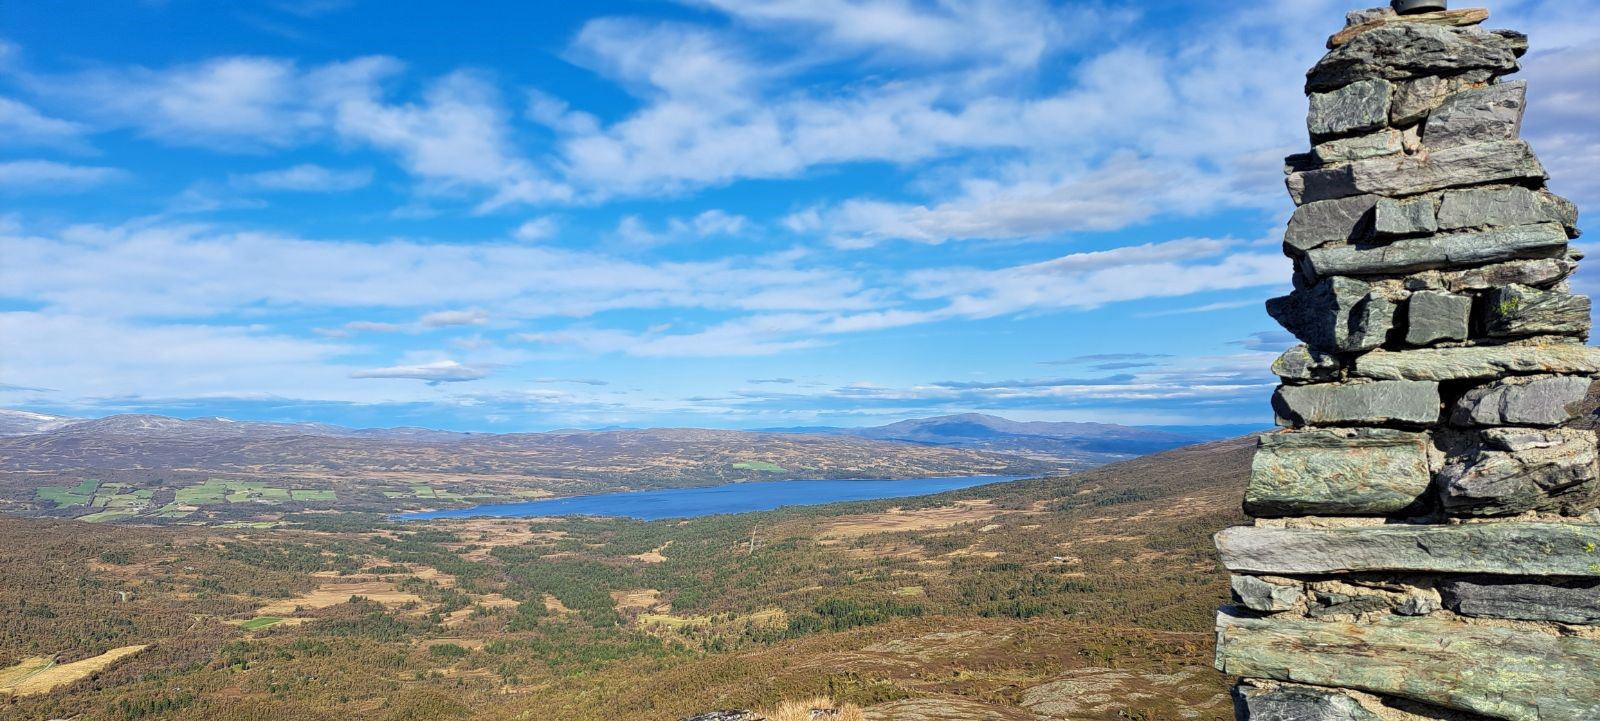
1502,206
1482,362
1351,472
1516,470
1522,401
1259,595
1337,314
1432,316
1329,221
1546,240
1461,166
1478,115
1562,601
1518,310
1305,364
1361,147
1402,218
1501,673
1509,548
1354,108
1299,703
1375,403
1402,51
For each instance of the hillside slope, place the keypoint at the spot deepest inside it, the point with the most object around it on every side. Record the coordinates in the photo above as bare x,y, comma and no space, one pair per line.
1087,597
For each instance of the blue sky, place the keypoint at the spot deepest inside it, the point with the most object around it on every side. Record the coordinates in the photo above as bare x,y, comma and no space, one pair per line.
730,213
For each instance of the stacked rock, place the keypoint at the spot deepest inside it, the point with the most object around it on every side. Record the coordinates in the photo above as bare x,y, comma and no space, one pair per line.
1425,541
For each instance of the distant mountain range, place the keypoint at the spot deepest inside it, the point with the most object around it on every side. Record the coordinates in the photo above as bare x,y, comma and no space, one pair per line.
1077,444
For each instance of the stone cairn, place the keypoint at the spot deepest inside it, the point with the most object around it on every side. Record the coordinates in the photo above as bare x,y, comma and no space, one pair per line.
1425,542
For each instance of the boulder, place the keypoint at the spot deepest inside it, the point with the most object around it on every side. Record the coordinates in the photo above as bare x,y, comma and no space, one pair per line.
1518,310
1299,703
1455,167
1432,316
1360,147
1522,401
1516,470
1503,206
1508,548
1330,221
1401,218
1355,108
1338,472
1374,403
1401,51
1414,99
1482,362
1547,240
1500,673
1302,363
1479,115
1260,595
1561,601
1338,314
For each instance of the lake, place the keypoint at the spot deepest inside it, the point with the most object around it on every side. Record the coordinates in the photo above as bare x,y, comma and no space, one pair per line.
712,500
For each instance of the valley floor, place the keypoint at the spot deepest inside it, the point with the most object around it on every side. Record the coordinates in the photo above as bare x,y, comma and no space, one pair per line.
1088,597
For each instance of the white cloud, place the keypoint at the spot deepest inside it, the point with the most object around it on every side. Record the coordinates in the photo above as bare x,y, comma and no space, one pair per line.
233,103
447,318
445,371
306,177
539,228
100,357
458,136
1013,32
43,176
20,124
156,270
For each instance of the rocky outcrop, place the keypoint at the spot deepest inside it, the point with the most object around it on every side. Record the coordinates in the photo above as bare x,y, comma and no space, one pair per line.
1427,524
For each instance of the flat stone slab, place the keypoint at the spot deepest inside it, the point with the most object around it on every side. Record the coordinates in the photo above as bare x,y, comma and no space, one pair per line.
1402,50
1498,672
1503,206
1455,167
1522,401
1333,404
1483,362
1545,240
1328,221
1351,472
1468,16
1561,601
1509,548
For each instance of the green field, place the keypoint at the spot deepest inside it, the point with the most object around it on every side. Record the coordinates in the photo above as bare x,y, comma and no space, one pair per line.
255,624
763,466
215,491
308,495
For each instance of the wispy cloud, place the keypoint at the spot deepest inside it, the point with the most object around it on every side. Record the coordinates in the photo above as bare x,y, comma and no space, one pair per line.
445,371
305,177
49,176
